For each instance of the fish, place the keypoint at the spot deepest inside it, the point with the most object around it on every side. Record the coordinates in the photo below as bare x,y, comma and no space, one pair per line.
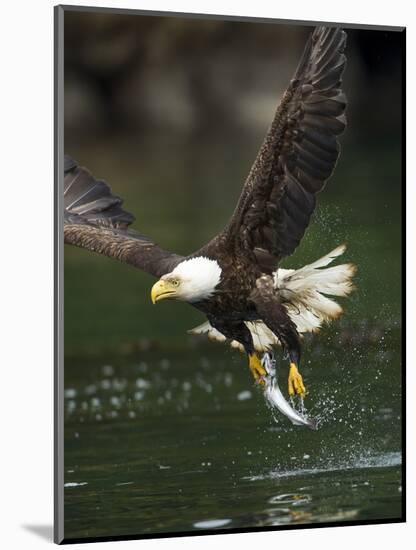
275,398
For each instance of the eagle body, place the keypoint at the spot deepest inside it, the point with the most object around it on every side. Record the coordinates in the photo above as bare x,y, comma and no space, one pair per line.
235,279
235,288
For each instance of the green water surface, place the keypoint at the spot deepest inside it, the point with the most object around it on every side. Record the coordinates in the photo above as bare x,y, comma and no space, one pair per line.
166,434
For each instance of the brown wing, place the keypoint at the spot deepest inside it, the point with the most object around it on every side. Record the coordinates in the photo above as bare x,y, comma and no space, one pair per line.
94,219
298,155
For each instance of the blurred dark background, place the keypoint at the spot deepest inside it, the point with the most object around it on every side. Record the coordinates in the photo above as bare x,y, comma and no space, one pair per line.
171,112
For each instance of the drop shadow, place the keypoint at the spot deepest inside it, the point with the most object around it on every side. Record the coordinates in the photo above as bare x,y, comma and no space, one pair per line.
43,531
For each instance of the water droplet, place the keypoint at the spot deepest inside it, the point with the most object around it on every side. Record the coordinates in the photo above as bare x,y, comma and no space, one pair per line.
244,395
142,384
75,484
107,370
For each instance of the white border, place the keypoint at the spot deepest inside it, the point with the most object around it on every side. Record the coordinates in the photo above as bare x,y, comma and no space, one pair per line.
27,270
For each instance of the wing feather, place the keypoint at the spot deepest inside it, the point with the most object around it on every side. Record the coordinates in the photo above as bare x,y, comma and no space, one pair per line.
298,155
95,220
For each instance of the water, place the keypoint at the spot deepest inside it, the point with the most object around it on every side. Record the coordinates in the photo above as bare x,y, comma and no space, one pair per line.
184,442
163,434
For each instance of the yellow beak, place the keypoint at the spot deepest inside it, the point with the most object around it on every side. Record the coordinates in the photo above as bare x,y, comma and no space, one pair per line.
161,290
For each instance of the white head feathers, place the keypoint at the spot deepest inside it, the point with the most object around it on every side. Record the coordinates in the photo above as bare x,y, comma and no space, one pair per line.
198,278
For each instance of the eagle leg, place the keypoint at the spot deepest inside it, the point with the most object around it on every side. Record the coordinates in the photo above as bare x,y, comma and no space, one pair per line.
257,369
237,330
274,315
295,381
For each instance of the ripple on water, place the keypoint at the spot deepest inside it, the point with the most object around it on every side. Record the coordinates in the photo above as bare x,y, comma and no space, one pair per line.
212,523
290,498
382,460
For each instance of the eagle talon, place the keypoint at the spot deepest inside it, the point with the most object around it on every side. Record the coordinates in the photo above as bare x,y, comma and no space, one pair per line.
295,382
257,369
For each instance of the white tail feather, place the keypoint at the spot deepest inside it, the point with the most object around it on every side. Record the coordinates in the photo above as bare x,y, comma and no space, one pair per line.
209,330
263,337
305,293
327,259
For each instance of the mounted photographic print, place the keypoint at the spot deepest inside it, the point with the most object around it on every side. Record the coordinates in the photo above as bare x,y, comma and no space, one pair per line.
228,267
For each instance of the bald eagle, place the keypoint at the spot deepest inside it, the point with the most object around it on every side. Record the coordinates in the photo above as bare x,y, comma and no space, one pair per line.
235,279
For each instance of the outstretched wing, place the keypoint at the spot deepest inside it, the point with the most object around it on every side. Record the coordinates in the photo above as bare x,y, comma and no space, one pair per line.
298,155
94,219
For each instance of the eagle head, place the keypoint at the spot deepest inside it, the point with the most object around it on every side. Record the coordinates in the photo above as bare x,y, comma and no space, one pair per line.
192,280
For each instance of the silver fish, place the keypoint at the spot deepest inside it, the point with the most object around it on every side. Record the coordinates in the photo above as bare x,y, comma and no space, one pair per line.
275,397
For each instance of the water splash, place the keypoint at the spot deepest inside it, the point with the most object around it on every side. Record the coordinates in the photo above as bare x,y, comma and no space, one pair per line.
275,399
382,460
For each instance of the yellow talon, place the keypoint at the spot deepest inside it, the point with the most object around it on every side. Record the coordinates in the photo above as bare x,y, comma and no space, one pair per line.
295,382
256,368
